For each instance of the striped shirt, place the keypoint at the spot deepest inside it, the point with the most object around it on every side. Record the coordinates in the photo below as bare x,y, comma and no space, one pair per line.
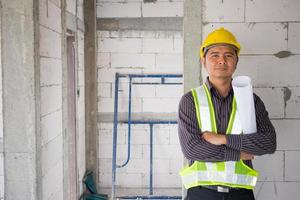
196,148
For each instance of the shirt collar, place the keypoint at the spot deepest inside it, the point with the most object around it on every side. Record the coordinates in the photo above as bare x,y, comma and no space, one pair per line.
213,90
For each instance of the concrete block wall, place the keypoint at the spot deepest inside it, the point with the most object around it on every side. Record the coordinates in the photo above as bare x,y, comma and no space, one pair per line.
1,127
166,163
51,98
51,84
139,51
80,110
269,36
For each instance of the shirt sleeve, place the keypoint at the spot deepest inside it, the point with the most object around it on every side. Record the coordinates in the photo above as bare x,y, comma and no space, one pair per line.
261,142
192,145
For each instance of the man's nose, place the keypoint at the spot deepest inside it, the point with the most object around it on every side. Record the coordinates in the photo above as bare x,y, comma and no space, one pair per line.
222,60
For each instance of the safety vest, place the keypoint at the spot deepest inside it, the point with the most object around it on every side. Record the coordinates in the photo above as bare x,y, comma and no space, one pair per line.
227,173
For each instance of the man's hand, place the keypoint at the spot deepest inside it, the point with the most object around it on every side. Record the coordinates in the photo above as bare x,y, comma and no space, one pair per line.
213,138
246,156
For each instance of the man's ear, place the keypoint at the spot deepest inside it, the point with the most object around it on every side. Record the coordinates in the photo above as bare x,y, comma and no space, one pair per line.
202,61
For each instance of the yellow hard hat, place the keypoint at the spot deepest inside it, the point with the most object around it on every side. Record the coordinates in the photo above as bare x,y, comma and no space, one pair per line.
220,36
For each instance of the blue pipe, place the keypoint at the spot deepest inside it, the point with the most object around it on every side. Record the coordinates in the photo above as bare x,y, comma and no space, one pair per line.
129,122
151,160
114,158
151,75
129,126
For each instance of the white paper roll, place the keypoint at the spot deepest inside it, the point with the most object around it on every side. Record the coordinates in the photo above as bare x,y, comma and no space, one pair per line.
245,103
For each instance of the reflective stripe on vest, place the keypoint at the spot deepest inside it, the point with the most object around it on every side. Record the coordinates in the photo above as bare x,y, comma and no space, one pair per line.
229,173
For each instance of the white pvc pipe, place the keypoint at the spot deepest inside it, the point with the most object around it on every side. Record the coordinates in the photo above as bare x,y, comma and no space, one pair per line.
245,103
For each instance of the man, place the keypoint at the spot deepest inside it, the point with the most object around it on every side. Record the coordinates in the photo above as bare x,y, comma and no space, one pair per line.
219,154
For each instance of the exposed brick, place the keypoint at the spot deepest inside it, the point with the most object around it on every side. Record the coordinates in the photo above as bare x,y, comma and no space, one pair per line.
169,91
158,46
277,190
161,136
176,164
178,45
269,172
272,10
48,15
103,34
161,34
287,131
120,45
232,11
126,180
106,105
50,43
54,178
143,91
293,103
51,126
162,9
167,151
51,99
115,9
105,90
71,6
50,71
132,60
106,136
264,70
294,37
137,166
174,139
51,154
169,61
273,100
292,160
103,60
253,37
168,180
161,166
140,135
167,105
125,34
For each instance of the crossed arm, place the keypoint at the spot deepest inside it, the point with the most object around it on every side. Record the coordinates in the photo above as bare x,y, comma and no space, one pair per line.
206,146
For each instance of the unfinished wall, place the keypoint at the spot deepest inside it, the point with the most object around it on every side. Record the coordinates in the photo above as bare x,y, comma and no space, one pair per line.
19,99
1,124
140,38
53,97
33,97
80,96
269,32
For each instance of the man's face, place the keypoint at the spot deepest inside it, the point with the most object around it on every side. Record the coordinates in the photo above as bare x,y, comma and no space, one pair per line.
220,62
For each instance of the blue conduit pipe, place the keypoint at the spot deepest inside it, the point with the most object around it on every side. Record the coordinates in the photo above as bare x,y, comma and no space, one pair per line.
130,122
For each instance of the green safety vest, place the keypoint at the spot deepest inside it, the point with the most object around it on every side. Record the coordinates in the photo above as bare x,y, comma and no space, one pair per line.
229,173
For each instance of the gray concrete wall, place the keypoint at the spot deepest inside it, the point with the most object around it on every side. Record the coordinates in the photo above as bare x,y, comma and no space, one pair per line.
50,55
1,122
269,34
54,98
141,38
33,98
20,100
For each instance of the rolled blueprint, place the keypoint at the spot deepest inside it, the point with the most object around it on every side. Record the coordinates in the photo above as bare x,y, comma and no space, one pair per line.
245,103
